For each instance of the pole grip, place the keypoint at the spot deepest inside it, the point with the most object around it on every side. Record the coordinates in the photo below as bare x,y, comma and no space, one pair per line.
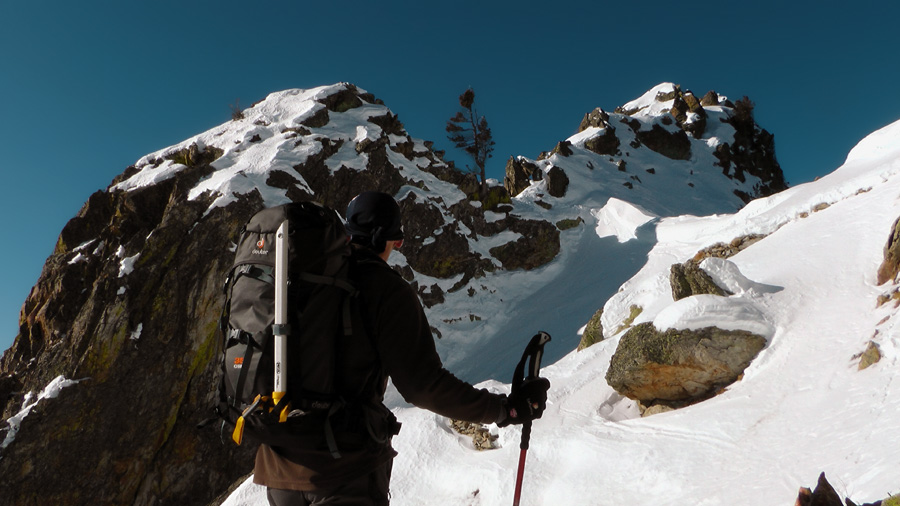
533,354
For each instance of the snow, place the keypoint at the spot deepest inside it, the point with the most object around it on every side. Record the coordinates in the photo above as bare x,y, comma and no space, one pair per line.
126,265
801,408
620,219
51,391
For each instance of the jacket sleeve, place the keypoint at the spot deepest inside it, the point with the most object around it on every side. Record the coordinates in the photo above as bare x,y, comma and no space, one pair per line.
409,357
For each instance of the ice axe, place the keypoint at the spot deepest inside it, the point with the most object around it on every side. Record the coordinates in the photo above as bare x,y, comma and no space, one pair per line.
532,354
280,330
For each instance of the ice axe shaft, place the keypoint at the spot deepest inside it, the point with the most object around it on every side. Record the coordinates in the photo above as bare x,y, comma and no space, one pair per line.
281,328
533,353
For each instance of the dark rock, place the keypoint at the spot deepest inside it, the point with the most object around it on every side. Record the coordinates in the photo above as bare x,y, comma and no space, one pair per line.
711,98
318,119
563,148
606,143
519,175
557,182
689,279
753,152
674,145
538,245
598,118
345,99
824,495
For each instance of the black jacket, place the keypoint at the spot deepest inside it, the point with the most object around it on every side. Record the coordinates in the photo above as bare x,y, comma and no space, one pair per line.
401,347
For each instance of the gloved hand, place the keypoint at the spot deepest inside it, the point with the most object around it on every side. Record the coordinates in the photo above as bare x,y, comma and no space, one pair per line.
526,403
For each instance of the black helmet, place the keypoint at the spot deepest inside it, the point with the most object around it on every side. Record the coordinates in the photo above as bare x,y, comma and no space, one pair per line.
373,218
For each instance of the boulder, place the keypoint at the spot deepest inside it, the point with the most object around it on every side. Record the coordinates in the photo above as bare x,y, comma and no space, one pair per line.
823,495
674,145
606,143
710,99
689,279
593,331
890,266
519,175
870,356
680,365
557,182
598,118
538,245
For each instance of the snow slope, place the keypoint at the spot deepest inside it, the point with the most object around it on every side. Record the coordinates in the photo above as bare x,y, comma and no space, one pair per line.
802,407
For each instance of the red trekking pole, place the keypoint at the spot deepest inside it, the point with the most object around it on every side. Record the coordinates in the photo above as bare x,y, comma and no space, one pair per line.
533,353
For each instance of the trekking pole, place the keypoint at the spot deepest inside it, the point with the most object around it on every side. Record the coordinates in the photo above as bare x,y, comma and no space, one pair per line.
281,328
533,353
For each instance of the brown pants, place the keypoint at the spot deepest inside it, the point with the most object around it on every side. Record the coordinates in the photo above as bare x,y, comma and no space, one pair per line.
369,490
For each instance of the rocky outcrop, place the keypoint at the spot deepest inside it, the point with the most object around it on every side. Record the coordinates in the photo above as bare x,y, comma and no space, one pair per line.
890,266
825,495
689,279
606,143
128,303
752,152
689,114
674,145
519,175
538,244
869,357
593,331
557,182
727,250
679,365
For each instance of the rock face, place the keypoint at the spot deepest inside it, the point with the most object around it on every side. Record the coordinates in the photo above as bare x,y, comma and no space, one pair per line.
130,298
128,303
679,365
519,174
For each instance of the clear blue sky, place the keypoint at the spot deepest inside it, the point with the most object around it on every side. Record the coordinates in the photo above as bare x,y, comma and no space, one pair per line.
89,87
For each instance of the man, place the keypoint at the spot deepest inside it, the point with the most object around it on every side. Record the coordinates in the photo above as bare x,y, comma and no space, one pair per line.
401,348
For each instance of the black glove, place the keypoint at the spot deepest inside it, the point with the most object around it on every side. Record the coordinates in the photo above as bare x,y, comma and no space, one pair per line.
526,403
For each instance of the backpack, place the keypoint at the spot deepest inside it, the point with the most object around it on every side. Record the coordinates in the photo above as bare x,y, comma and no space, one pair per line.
312,413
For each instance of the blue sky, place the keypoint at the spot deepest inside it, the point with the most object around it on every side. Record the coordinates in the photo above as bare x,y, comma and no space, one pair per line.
89,87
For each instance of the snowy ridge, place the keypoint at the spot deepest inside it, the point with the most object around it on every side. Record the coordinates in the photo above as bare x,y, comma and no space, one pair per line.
801,408
266,140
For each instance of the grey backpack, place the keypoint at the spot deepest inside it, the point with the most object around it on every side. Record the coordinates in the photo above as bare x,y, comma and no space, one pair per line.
321,308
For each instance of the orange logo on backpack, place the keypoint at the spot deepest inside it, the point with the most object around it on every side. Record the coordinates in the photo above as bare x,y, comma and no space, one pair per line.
261,243
238,362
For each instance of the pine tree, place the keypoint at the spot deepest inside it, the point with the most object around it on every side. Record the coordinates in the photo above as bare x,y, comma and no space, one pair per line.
471,133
